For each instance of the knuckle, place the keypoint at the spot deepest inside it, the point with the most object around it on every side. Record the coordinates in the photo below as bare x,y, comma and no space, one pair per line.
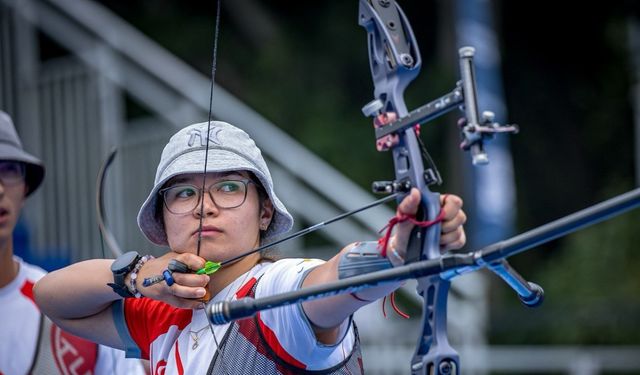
204,279
455,200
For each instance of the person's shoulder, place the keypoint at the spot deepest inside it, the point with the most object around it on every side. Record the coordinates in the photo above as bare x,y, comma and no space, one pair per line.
294,263
285,273
32,272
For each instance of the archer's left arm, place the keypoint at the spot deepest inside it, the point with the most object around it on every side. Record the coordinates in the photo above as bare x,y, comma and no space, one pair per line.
327,314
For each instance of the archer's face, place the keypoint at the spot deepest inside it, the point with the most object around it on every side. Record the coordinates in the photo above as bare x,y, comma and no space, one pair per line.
226,232
11,202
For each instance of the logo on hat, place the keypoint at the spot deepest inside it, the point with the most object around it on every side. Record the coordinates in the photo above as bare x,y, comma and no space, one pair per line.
197,133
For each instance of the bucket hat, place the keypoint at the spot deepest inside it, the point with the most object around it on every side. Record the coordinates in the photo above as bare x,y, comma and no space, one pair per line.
11,150
229,149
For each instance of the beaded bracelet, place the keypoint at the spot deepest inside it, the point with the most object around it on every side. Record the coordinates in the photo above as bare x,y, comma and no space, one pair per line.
134,275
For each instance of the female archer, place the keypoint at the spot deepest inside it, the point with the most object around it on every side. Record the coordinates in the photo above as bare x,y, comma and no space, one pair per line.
236,211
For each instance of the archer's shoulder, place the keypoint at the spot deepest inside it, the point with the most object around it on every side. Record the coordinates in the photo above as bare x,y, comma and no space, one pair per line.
284,275
295,265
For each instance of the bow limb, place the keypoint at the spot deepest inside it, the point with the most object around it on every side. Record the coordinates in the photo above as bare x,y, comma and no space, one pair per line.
106,233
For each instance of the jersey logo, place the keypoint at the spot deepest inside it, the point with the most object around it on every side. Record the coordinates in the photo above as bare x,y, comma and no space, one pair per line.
73,355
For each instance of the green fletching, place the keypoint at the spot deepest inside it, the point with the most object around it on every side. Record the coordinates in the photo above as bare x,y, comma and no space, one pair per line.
209,268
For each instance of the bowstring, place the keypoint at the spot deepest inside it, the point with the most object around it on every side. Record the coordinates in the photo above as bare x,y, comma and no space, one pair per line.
206,150
204,172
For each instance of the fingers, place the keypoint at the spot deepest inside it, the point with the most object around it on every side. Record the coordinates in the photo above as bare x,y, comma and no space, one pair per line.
452,234
192,261
451,204
189,286
410,203
408,206
190,279
188,292
453,240
187,289
449,225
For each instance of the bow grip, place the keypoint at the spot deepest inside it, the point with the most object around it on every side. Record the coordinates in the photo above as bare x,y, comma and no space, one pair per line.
424,243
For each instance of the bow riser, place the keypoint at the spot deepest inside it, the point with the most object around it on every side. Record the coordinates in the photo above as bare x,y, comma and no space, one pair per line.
395,61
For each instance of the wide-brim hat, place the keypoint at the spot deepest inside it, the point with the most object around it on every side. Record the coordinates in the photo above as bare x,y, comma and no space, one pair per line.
229,149
11,150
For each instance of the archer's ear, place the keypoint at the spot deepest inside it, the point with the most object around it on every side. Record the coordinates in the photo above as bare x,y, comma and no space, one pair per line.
266,214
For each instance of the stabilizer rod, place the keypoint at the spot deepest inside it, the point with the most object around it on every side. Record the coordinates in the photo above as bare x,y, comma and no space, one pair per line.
448,266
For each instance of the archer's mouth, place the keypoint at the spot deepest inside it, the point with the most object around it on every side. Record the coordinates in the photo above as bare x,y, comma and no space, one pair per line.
208,231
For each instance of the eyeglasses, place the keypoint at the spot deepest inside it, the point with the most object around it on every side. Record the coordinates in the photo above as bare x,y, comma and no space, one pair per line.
182,199
12,172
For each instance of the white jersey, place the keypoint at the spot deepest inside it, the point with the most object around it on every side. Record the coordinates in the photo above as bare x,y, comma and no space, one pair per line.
20,330
180,341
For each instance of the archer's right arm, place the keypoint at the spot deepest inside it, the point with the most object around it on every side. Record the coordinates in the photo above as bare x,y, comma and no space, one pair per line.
78,299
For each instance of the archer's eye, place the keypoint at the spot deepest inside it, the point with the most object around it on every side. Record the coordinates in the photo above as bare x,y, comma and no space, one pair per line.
183,192
229,187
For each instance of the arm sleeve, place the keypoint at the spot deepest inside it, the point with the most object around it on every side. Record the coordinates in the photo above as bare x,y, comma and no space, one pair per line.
288,326
140,321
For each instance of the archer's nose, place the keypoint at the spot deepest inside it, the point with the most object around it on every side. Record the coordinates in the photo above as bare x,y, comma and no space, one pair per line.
207,207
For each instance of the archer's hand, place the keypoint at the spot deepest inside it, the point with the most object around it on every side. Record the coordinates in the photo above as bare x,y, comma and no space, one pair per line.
452,234
188,288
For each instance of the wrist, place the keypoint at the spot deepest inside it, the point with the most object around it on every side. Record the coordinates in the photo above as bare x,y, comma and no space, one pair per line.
119,269
131,279
395,258
389,250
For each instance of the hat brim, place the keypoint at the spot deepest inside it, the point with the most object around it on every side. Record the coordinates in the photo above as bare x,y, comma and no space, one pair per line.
35,171
218,160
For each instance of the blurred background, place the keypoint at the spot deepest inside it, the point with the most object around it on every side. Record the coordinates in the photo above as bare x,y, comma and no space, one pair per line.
80,77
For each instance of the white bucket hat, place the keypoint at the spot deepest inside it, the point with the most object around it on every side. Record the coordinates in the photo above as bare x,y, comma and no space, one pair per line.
230,149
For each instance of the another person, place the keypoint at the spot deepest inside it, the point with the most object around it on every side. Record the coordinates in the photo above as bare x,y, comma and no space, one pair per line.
29,342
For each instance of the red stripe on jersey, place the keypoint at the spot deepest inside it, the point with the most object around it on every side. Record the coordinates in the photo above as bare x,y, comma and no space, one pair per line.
272,341
178,360
246,288
72,354
27,290
160,367
147,319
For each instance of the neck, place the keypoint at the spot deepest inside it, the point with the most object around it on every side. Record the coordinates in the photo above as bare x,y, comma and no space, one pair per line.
226,275
8,267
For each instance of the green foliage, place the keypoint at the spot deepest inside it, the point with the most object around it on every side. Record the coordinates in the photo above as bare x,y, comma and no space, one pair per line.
591,287
575,149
